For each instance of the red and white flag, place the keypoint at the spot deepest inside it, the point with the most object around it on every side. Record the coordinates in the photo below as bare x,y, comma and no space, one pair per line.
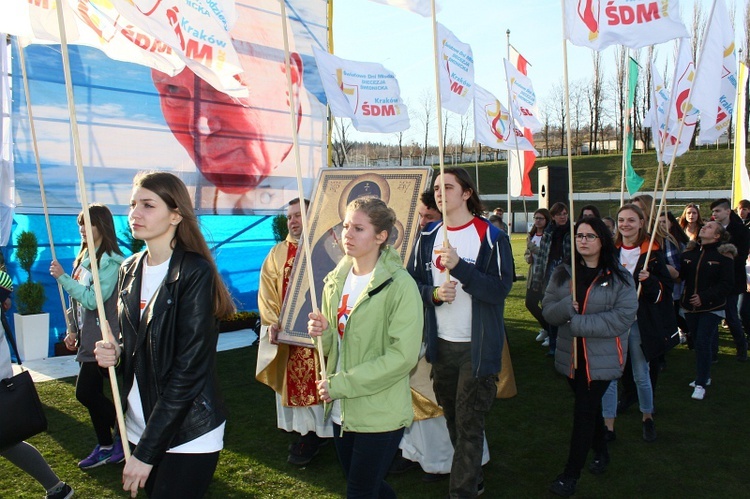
715,86
597,24
365,92
457,74
492,124
421,7
526,114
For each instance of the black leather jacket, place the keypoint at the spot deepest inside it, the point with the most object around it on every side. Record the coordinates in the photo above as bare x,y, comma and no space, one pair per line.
172,352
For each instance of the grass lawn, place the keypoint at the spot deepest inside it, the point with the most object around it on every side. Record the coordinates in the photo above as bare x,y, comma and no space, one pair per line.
701,449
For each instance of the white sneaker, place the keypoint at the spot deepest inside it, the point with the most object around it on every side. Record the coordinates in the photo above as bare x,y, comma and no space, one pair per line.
698,393
542,335
692,383
545,343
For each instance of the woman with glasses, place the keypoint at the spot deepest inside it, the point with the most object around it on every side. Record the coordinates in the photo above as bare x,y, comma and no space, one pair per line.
534,294
596,325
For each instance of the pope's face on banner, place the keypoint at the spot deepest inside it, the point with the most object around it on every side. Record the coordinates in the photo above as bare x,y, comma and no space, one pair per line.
236,143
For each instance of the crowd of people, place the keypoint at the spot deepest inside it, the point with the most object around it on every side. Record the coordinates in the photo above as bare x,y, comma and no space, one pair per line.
611,297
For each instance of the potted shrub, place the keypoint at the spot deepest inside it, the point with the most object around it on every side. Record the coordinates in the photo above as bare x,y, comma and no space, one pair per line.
32,325
280,229
240,320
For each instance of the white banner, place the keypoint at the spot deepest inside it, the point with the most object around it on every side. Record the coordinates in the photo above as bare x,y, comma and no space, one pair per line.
715,86
679,110
421,7
365,92
492,125
597,24
523,98
457,74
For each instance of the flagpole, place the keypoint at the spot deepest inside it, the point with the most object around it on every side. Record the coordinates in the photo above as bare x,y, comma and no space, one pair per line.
476,159
439,99
512,126
40,178
736,115
626,126
570,179
679,134
300,188
103,324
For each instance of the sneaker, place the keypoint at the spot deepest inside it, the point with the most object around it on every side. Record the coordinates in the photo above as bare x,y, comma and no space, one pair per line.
118,455
542,335
563,486
698,393
62,492
692,383
599,464
649,430
401,465
545,343
98,457
610,436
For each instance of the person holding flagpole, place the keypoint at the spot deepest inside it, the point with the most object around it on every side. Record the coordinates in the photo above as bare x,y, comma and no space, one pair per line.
171,300
463,282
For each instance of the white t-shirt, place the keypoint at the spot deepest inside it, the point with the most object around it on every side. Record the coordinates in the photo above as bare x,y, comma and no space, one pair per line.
629,257
350,294
536,240
454,319
135,421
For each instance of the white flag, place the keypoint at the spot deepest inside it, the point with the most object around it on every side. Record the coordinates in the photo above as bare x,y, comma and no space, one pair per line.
657,116
421,7
365,92
597,24
679,109
492,126
715,86
523,98
457,74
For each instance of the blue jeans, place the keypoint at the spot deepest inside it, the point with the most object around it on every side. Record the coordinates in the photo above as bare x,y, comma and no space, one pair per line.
703,326
366,458
640,375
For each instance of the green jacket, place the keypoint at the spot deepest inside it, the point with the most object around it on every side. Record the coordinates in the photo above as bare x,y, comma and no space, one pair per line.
380,346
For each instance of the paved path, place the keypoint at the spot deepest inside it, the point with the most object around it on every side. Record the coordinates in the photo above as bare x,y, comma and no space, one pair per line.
66,366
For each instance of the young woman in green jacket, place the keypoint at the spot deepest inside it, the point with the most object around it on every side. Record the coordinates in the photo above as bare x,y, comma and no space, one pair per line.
371,336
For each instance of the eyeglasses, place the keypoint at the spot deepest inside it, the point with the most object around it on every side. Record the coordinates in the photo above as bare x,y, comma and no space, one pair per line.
588,237
539,218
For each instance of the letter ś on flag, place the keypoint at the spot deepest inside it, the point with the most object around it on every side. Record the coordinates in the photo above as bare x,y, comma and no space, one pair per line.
597,24
365,92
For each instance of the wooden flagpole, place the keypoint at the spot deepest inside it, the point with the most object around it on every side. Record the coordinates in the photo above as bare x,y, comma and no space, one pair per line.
300,188
35,144
104,325
570,178
439,100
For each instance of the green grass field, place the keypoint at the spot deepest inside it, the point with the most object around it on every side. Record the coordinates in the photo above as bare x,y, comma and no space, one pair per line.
701,449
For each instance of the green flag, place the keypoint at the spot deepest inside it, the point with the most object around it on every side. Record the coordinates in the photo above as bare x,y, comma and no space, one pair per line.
632,179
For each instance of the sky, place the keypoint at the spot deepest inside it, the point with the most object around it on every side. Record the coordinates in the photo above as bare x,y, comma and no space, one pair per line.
402,41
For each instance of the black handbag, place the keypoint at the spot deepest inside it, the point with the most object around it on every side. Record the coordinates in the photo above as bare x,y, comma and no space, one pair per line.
21,412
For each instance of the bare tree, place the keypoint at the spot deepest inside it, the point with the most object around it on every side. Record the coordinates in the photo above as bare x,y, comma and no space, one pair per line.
546,112
698,28
646,82
558,99
427,115
578,90
464,126
341,145
595,100
445,133
621,92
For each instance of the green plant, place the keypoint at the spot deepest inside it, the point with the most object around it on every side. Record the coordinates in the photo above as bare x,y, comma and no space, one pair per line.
280,229
29,295
242,315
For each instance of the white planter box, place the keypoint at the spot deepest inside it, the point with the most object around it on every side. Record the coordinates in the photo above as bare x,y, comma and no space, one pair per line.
32,336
